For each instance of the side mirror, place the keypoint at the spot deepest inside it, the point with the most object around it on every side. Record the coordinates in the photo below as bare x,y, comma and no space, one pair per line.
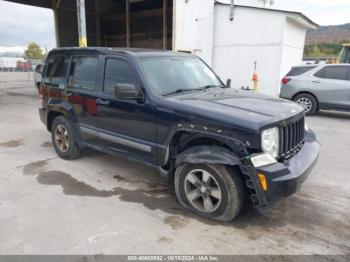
228,83
127,92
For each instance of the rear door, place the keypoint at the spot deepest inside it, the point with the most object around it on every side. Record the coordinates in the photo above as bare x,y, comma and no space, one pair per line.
331,85
125,125
81,92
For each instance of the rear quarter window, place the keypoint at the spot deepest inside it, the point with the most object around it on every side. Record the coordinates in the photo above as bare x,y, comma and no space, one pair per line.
55,72
295,71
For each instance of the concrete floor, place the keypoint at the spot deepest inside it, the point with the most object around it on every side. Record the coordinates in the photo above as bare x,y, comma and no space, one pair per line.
100,204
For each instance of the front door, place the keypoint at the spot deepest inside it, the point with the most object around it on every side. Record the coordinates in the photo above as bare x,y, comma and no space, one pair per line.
126,126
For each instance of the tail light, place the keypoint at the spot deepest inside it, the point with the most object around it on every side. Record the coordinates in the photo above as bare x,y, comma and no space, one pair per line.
41,95
285,80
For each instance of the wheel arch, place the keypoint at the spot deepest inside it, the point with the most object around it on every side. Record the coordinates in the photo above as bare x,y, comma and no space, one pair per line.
56,107
189,146
207,154
51,117
309,93
184,139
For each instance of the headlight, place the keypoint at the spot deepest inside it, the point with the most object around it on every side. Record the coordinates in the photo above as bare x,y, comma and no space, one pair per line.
270,141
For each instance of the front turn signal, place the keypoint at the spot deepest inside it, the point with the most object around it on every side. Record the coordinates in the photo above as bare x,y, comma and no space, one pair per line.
263,181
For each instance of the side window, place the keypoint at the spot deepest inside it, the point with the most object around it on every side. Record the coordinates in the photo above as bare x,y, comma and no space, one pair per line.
333,72
55,70
82,73
117,71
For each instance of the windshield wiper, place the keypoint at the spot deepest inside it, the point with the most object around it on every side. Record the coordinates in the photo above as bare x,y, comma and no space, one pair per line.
181,90
209,86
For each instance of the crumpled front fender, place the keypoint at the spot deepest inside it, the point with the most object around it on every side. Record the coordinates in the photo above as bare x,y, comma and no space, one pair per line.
208,155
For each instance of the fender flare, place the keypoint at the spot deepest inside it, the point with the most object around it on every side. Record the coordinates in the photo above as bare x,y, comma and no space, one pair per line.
57,105
207,154
66,109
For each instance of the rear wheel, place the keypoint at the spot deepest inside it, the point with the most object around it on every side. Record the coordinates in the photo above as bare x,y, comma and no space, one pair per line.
63,139
308,102
212,191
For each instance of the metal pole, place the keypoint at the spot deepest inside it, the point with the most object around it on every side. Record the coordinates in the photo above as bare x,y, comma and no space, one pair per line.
81,23
232,6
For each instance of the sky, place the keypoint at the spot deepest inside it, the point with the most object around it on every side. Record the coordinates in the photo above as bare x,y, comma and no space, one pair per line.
20,24
322,12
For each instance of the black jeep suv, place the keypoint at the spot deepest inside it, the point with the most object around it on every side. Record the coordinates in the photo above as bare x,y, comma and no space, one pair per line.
216,145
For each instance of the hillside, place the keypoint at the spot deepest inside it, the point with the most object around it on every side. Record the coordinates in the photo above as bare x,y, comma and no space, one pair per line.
326,41
328,34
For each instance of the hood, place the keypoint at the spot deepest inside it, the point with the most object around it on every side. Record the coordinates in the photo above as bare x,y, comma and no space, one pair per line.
230,105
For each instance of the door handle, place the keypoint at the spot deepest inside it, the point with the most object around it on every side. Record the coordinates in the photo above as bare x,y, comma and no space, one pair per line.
316,81
67,93
102,102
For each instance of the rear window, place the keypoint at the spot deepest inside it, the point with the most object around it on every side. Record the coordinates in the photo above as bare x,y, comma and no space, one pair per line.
55,70
295,71
334,72
83,73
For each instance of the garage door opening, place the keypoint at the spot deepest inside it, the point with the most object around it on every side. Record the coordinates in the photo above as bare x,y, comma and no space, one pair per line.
136,23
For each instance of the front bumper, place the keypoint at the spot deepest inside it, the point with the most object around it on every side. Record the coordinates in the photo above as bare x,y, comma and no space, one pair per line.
285,178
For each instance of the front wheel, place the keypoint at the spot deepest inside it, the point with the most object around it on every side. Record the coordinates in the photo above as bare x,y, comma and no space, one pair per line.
212,191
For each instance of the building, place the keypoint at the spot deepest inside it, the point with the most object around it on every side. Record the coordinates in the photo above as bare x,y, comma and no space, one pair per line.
273,38
229,35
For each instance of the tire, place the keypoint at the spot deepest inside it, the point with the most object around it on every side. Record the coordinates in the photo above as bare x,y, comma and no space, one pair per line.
226,191
63,140
307,101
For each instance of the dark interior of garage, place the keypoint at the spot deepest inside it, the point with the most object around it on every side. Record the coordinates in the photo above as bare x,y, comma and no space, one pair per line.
113,23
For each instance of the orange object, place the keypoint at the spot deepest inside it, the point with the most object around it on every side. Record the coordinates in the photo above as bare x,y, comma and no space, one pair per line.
263,181
255,76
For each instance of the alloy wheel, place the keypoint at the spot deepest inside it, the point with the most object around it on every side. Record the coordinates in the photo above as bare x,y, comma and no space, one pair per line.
305,103
62,138
202,190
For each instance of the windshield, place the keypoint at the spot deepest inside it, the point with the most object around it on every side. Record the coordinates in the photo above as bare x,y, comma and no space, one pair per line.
175,74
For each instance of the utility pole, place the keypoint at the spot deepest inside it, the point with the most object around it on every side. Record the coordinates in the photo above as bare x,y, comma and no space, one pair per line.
81,23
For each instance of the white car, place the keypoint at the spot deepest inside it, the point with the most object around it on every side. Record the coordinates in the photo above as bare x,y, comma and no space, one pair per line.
38,71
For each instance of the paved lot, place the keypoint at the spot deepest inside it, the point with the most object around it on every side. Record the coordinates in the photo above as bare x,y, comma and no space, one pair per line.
100,204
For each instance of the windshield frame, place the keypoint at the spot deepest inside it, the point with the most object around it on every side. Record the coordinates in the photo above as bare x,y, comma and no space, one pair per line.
173,55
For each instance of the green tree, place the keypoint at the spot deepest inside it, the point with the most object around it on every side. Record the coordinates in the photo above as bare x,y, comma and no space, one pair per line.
34,51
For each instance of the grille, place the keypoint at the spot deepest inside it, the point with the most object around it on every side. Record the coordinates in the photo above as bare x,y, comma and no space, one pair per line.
291,138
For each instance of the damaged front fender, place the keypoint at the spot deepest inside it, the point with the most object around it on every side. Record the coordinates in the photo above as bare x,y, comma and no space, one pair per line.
221,155
207,154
